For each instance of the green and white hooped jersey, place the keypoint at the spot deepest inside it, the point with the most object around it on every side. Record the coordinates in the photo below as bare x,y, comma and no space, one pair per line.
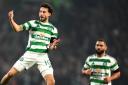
102,67
40,35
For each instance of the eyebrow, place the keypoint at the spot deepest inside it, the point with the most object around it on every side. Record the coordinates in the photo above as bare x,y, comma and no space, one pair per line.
99,44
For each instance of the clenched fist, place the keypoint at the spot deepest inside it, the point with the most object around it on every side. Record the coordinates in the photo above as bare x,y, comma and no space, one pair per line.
10,14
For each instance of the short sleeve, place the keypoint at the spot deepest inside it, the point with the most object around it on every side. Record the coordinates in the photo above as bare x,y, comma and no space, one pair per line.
114,65
86,65
27,25
55,33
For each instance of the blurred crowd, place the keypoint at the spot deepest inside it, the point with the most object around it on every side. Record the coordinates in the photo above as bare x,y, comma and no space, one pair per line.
80,23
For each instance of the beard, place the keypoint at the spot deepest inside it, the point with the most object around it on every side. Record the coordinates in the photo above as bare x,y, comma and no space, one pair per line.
43,19
100,52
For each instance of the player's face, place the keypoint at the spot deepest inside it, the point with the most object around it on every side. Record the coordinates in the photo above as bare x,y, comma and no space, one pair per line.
44,14
100,47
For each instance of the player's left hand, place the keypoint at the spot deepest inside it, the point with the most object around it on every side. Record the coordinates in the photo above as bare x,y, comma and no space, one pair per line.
54,44
107,79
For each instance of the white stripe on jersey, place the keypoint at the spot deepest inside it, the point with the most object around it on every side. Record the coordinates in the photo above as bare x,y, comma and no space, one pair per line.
38,47
36,40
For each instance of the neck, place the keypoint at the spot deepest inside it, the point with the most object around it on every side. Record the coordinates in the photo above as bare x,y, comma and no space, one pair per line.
100,55
46,21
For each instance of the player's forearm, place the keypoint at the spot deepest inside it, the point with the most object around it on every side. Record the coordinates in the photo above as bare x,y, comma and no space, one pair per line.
115,76
14,25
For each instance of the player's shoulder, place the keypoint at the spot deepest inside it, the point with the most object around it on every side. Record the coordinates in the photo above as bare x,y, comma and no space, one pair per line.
53,26
92,56
32,21
111,58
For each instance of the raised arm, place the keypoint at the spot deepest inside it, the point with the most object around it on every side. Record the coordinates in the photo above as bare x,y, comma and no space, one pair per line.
14,25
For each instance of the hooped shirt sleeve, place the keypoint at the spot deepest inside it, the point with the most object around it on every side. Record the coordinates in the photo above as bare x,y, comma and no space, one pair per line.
114,65
27,25
86,65
55,33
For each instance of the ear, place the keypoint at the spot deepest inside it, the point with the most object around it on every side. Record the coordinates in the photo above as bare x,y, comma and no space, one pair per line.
106,47
50,14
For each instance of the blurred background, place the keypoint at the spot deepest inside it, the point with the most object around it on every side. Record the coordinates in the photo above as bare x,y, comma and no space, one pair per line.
80,23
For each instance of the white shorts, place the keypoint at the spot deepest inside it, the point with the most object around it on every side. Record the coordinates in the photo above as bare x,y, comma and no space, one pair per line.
31,58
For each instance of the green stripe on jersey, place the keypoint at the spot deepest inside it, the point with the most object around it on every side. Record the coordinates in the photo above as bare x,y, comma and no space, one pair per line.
44,25
26,26
113,65
42,30
100,67
23,27
29,24
87,63
37,50
100,60
48,26
38,43
98,81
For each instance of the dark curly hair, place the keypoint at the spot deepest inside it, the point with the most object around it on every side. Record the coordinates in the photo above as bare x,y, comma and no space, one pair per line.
46,5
